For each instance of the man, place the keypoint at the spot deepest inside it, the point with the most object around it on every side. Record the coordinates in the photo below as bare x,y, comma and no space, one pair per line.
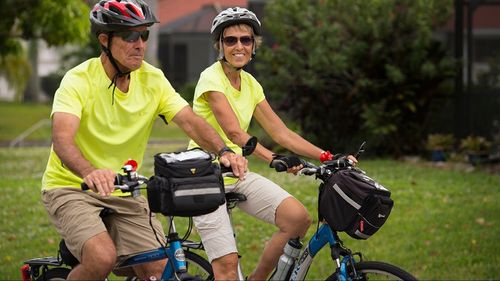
102,115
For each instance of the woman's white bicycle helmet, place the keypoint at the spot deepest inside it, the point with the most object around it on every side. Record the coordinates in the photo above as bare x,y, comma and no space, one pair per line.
232,16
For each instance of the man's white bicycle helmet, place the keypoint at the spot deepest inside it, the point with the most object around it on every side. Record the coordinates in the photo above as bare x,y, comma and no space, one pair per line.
232,16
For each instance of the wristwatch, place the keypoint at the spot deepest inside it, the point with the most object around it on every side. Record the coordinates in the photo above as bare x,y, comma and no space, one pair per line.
224,150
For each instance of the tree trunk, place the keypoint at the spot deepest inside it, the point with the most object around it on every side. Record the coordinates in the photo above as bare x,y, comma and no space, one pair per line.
31,94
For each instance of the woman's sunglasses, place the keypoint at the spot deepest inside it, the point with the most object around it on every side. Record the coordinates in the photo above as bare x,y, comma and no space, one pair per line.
132,35
233,40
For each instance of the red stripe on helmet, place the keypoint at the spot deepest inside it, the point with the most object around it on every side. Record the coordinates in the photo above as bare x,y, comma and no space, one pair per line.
122,8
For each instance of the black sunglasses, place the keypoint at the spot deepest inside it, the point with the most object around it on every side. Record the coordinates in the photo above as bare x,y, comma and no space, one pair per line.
132,35
233,40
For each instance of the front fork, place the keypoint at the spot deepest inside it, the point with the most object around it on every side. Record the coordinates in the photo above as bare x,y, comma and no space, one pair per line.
345,263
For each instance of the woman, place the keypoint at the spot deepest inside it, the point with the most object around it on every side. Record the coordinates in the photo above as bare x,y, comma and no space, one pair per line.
228,98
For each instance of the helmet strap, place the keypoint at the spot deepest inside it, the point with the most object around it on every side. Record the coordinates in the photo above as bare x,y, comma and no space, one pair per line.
119,73
233,68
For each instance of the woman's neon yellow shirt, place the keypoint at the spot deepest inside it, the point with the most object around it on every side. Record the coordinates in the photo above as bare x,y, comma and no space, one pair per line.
243,103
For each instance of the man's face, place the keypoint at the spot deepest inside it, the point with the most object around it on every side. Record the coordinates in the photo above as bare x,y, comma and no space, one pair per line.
128,47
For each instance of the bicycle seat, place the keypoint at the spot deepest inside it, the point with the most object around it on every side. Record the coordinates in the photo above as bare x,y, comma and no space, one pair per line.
106,212
232,198
66,256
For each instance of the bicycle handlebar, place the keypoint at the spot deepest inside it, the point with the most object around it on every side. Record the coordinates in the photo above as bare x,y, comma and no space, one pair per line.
125,183
328,167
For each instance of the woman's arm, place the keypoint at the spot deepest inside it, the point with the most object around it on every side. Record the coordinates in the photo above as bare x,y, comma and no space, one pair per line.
280,133
206,136
229,123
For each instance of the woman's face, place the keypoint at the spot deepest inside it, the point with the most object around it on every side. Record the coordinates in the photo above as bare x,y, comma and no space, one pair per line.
237,43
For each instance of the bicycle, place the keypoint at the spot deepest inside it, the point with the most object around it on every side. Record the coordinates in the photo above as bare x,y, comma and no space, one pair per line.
348,265
183,264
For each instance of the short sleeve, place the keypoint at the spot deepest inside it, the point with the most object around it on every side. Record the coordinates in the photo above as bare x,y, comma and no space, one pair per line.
171,102
68,97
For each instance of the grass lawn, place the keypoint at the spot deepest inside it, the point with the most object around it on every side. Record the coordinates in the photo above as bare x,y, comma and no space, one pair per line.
444,226
17,119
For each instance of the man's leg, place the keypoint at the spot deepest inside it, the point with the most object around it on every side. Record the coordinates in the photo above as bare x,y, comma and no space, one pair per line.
146,270
98,259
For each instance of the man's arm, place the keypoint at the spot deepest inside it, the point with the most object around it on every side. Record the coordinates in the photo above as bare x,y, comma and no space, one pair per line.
64,128
206,136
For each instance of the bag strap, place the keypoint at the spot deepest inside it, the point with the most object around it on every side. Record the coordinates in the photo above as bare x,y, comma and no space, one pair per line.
320,217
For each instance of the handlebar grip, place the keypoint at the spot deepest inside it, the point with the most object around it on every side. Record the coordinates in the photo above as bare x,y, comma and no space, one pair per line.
279,166
84,186
118,181
224,169
341,162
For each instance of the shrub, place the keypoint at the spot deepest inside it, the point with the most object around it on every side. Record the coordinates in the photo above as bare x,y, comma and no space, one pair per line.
352,69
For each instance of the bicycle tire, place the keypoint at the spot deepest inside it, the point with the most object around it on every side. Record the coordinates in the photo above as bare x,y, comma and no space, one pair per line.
375,270
54,274
196,266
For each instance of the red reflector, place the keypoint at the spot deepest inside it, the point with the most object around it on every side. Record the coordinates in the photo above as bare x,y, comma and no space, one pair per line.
361,226
25,272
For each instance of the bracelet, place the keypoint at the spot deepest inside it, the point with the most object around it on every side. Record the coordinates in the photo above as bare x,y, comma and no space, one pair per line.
224,150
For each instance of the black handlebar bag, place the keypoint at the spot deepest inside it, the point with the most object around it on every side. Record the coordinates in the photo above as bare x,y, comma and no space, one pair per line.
186,184
352,202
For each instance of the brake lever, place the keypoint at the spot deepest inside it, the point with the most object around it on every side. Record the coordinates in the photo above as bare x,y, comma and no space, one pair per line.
360,150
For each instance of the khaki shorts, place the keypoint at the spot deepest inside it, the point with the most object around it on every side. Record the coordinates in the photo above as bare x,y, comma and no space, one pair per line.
263,198
75,214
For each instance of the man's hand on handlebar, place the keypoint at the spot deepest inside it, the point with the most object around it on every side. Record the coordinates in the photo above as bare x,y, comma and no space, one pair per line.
238,163
101,181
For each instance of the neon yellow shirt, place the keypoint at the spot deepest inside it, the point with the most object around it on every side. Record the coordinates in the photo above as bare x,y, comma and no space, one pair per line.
110,134
242,102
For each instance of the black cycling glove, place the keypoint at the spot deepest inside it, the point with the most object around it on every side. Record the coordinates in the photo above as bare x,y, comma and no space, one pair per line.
282,163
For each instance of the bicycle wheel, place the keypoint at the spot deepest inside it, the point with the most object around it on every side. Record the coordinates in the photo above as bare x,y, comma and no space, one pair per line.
54,274
198,266
374,270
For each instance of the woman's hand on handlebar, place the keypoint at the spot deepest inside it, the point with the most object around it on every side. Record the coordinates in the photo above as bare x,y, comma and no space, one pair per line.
101,181
289,163
238,163
352,159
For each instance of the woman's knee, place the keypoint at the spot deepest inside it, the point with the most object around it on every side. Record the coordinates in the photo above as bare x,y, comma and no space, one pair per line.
292,216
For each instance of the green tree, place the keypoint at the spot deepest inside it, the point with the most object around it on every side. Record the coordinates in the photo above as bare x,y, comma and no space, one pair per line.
58,22
354,69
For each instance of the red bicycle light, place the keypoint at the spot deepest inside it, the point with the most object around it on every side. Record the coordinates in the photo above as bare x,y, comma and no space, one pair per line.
25,272
325,156
132,163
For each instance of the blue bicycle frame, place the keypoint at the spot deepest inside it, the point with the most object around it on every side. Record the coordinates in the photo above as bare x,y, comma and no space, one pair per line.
323,236
174,253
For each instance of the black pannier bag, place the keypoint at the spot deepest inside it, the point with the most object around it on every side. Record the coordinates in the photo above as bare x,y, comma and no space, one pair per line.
352,202
186,184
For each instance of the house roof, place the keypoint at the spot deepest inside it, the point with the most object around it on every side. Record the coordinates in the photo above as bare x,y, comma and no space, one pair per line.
485,17
197,22
171,10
